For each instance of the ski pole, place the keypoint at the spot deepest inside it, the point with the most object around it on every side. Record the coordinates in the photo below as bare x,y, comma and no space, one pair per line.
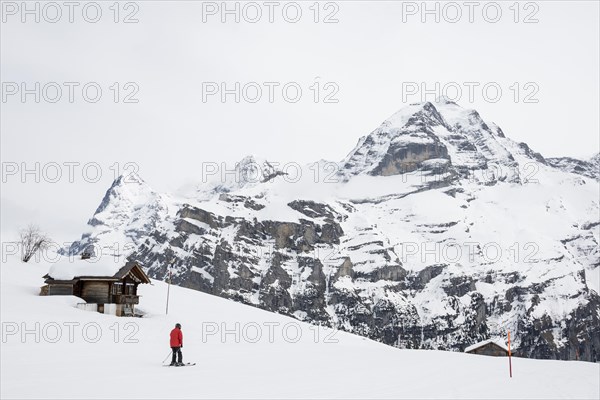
163,361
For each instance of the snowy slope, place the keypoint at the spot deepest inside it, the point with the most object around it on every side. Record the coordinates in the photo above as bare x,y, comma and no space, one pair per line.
437,231
352,367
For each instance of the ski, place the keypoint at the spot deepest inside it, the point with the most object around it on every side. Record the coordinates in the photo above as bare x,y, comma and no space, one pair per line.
184,365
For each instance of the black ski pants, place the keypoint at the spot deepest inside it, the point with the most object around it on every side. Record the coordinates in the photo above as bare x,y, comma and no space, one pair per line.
176,353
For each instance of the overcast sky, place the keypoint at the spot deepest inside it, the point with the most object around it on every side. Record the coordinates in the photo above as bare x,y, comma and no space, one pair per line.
542,56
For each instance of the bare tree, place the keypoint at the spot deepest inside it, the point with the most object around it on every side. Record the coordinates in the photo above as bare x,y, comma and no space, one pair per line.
32,241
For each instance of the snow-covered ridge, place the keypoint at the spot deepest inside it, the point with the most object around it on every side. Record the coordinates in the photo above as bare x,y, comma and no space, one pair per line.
589,168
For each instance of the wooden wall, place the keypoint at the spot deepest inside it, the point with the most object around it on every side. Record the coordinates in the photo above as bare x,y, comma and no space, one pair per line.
60,289
95,292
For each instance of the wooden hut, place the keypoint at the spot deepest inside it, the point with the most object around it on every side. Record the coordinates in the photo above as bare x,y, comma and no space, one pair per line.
105,284
490,347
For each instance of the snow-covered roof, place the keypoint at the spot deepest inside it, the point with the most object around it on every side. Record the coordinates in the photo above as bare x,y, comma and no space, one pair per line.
497,341
69,267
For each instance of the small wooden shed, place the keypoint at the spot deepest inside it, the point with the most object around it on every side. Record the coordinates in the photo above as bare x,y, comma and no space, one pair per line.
491,347
105,284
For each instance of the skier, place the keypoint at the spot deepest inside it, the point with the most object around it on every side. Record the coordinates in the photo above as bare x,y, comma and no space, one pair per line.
176,345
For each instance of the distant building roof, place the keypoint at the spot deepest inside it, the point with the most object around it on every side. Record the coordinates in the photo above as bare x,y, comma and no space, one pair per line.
497,341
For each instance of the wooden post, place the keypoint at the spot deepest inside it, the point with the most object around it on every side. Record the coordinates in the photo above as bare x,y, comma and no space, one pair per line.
169,288
509,357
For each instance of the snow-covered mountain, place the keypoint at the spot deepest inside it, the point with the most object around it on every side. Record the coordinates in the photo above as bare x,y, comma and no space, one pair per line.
435,232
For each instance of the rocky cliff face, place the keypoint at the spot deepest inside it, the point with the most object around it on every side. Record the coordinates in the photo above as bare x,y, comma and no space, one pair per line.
589,168
435,232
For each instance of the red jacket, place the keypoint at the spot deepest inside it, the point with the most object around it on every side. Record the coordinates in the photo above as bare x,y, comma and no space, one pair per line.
176,338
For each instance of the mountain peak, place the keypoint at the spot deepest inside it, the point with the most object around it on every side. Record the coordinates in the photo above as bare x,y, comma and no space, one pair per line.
128,189
442,131
407,115
128,177
444,100
402,143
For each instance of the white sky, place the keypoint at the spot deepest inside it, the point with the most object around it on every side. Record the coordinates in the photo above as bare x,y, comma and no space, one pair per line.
369,54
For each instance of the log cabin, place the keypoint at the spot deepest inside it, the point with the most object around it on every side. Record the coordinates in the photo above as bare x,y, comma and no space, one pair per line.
490,347
106,285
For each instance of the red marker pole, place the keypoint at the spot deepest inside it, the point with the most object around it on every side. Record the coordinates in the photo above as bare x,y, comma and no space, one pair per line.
509,360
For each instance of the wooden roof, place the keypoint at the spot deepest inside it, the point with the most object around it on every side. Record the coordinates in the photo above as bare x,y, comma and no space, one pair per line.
132,269
497,342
